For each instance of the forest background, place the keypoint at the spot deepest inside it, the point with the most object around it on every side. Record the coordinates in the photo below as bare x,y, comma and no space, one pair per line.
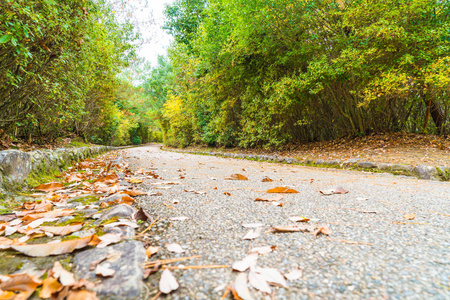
240,73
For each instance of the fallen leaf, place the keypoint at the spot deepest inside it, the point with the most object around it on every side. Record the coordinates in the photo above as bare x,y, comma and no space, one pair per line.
120,223
50,214
294,228
245,263
108,239
298,219
270,199
125,200
95,263
272,276
227,194
142,215
252,225
263,250
241,287
104,270
338,190
22,283
151,250
236,177
252,234
39,250
322,230
61,230
134,180
176,248
134,193
50,285
7,217
258,282
266,179
167,283
294,274
81,295
410,216
283,190
65,277
49,187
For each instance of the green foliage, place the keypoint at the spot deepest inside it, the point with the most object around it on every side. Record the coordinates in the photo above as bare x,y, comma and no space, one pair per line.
265,73
58,63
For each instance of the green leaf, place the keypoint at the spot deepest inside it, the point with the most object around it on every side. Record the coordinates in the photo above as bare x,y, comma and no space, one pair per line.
5,38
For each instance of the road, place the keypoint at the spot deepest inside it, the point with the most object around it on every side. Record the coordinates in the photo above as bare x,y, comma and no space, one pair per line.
373,252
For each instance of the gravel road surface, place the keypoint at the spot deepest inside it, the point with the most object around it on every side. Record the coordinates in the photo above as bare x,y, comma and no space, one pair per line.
373,252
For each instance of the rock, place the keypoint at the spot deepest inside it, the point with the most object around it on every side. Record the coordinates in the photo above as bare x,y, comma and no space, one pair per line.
87,211
384,166
403,168
126,258
84,233
121,211
123,231
280,159
426,172
289,160
65,219
332,162
366,165
351,161
319,162
81,198
15,165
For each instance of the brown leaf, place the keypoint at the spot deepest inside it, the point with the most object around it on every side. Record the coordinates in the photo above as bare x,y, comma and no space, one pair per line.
50,187
39,250
236,177
284,190
65,277
133,193
142,215
322,230
134,180
240,285
263,250
50,214
62,230
22,283
81,295
298,219
294,274
50,286
7,217
104,270
258,282
151,250
338,190
266,179
227,194
272,276
410,216
294,228
247,262
108,239
167,283
125,200
252,234
270,199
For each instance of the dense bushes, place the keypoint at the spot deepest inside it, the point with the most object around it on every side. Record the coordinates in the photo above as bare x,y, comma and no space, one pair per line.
58,66
269,72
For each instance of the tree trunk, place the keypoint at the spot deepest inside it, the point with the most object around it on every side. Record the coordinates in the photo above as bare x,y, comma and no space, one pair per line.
439,118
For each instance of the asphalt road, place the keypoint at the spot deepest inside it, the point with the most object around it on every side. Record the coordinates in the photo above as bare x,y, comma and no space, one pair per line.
373,252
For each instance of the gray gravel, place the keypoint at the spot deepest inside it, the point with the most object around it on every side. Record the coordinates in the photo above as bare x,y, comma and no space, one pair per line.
367,255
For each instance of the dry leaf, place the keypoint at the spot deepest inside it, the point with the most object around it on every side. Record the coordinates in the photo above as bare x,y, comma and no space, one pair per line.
244,264
322,230
22,283
81,295
272,276
240,285
134,193
50,286
125,200
236,177
65,277
410,216
39,250
167,283
270,199
104,270
176,248
50,214
294,228
252,225
151,250
108,239
258,282
263,250
283,190
298,219
121,223
294,274
134,180
61,230
338,190
142,215
252,234
49,187
227,194
266,179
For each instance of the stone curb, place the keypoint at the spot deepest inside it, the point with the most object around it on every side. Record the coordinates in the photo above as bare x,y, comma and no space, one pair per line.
16,166
439,173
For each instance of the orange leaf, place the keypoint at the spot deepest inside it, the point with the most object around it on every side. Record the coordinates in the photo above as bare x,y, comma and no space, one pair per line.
134,193
81,295
62,230
50,286
40,250
23,283
125,200
410,216
283,190
49,187
236,177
